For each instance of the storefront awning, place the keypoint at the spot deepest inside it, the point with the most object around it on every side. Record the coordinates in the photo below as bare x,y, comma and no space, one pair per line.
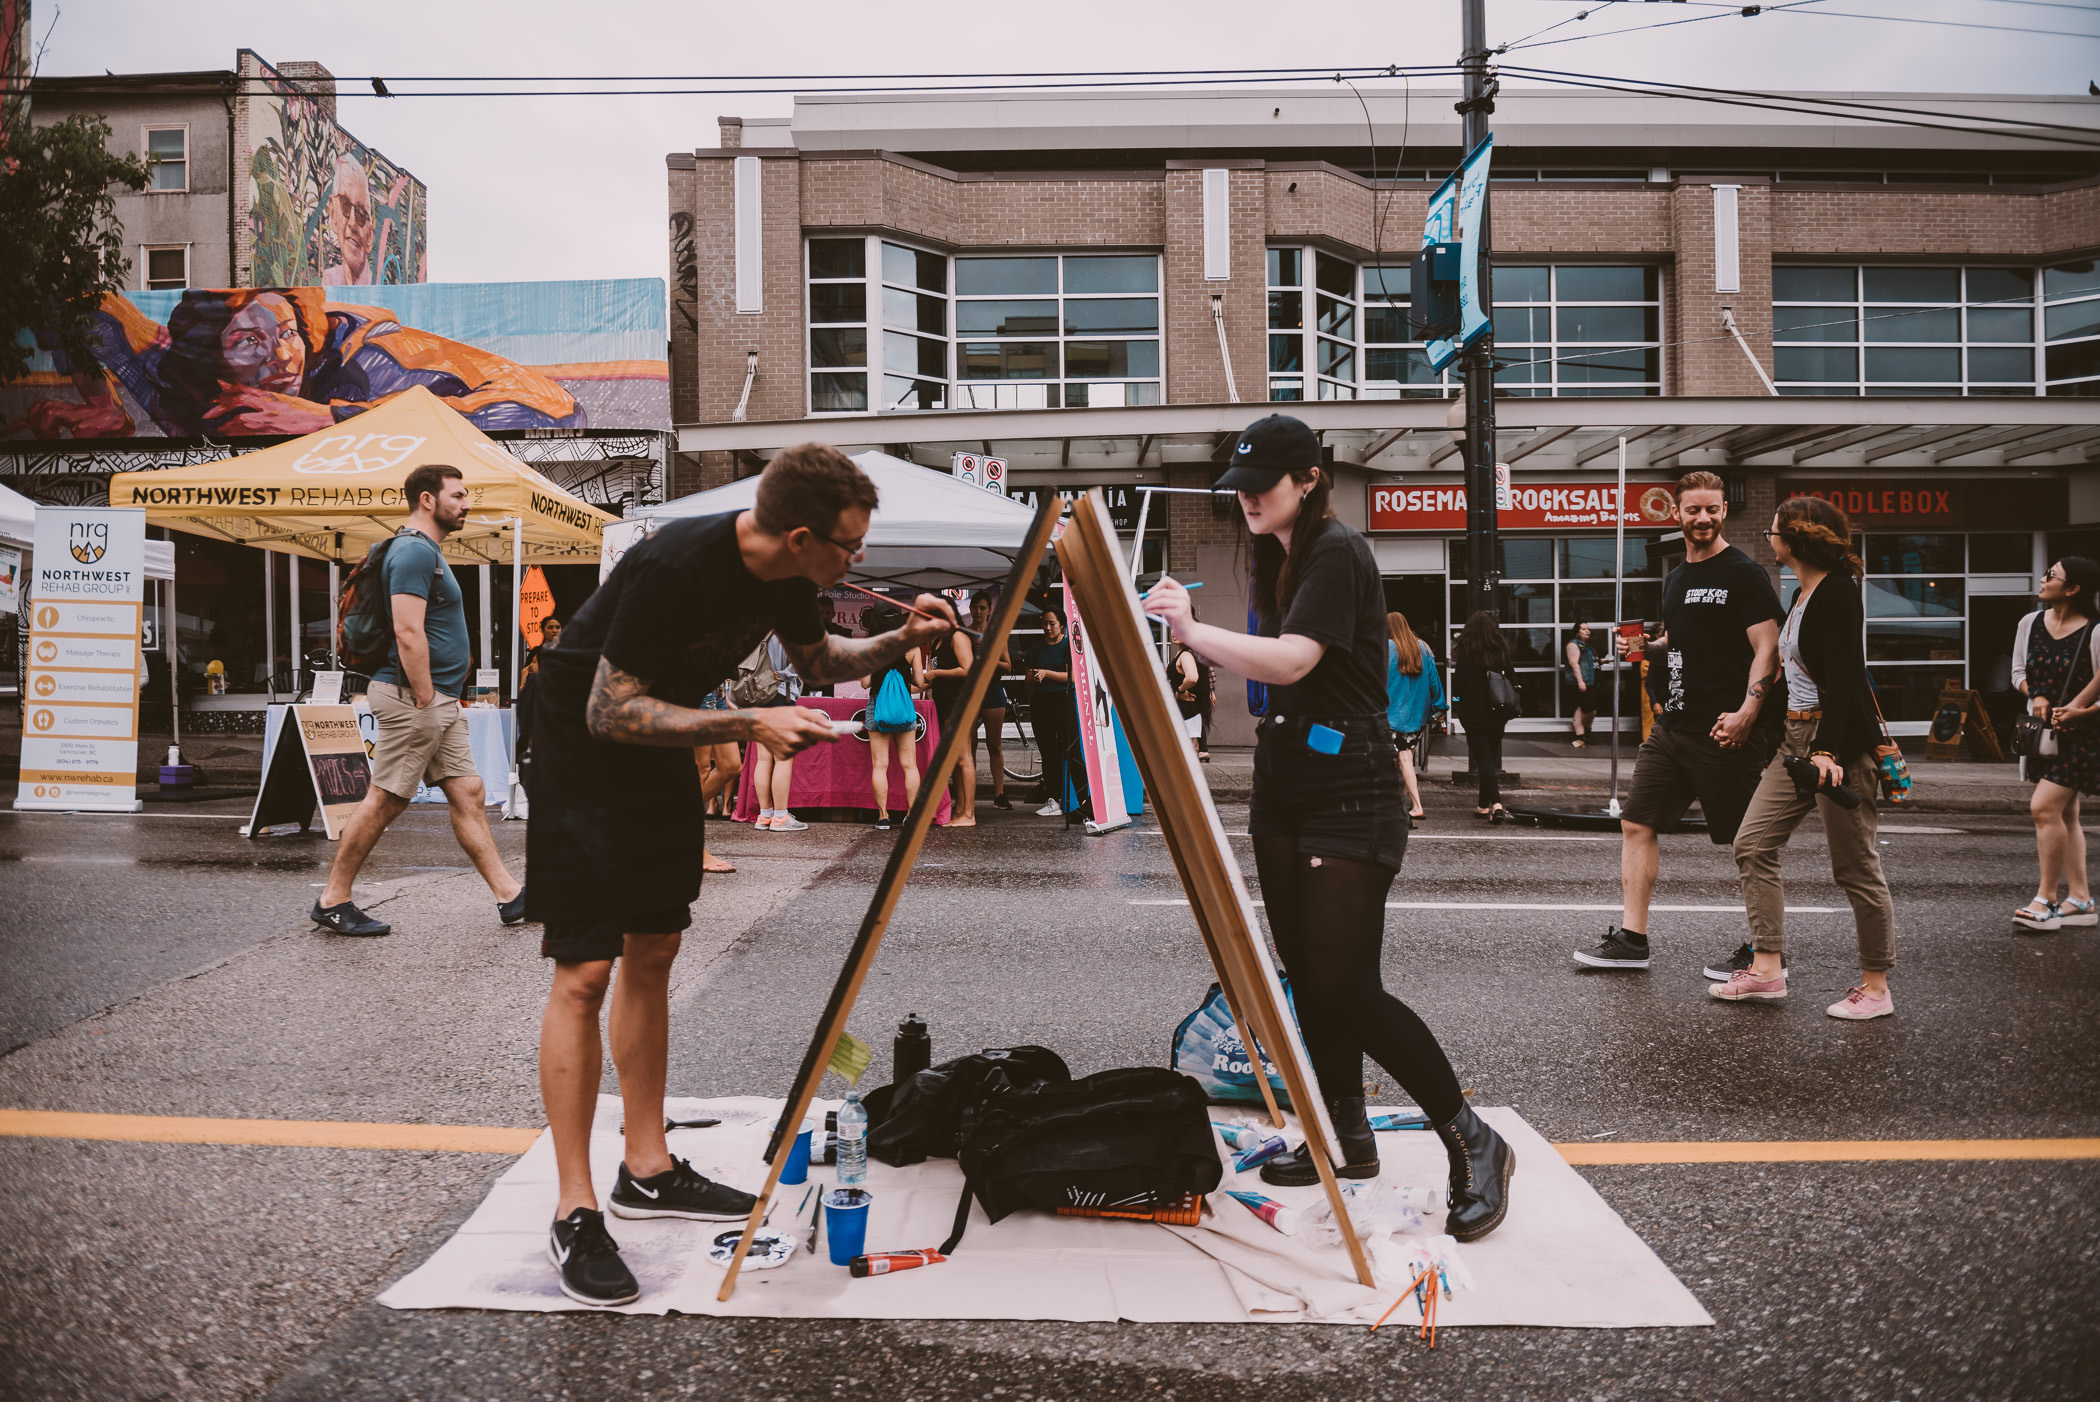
1414,435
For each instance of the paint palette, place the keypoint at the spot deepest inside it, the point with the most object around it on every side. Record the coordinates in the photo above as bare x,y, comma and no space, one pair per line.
768,1249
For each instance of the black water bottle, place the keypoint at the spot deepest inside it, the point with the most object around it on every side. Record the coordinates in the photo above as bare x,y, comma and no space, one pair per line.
912,1051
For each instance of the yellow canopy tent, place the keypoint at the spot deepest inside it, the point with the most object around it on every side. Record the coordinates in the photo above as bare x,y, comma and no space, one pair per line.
335,493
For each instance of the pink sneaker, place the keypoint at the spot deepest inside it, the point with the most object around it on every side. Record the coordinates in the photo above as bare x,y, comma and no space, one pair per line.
1858,1005
1744,985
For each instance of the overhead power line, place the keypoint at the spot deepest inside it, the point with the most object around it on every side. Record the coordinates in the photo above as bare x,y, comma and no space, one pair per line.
1731,12
1951,23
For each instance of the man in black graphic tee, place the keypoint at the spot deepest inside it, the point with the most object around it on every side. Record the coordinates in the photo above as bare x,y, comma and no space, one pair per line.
1719,655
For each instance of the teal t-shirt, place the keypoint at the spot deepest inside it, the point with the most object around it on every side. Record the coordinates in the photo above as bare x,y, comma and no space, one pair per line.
413,566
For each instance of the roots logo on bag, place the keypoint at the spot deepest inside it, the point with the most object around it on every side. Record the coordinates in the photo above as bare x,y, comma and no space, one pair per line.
88,541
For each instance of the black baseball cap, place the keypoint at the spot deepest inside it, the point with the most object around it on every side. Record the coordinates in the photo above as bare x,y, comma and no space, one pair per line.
1269,448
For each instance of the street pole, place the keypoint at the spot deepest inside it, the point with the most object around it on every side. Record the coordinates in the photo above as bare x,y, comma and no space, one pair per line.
1481,569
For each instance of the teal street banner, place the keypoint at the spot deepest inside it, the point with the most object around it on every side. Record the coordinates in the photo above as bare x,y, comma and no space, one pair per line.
1454,217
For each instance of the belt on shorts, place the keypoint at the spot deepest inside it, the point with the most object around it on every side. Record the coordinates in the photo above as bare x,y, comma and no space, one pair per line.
1816,714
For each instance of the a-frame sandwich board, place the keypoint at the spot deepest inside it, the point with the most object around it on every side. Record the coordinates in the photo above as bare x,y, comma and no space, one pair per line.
904,852
1096,572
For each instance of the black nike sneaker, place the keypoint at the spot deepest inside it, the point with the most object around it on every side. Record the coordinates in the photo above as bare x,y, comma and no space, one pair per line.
1721,971
510,912
347,919
592,1272
1619,949
679,1192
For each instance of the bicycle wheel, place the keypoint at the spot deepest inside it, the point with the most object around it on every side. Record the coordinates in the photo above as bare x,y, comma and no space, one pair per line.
1023,759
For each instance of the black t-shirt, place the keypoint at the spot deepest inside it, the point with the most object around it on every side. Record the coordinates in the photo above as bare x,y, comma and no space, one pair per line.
679,611
1708,609
1054,657
1341,603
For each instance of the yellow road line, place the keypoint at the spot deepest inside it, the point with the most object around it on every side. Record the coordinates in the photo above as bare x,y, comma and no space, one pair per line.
500,1139
306,1134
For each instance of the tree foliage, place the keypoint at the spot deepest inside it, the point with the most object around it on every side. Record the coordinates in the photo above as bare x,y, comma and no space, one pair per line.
61,247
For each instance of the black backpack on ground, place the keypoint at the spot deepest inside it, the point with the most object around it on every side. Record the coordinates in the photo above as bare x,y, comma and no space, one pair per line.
922,1117
1131,1139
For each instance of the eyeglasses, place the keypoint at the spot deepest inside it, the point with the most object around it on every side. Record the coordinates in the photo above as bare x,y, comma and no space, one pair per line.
855,551
2056,575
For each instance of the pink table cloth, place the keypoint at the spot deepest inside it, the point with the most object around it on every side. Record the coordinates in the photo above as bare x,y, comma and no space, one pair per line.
838,775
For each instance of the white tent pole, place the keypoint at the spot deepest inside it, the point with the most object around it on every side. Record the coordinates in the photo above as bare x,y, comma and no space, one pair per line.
172,650
269,564
517,611
335,621
486,574
291,570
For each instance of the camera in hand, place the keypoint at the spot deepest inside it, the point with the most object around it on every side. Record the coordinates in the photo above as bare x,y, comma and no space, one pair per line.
1809,780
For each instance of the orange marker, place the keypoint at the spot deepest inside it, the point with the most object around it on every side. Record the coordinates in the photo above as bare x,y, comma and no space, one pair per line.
889,1262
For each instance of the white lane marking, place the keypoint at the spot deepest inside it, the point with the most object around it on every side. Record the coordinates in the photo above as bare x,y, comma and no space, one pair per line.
1558,905
78,813
1461,836
1931,832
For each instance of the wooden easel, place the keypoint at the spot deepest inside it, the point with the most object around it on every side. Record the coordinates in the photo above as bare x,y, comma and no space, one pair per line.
1097,573
1961,712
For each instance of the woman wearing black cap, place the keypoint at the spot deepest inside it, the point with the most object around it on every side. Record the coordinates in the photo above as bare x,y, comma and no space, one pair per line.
1328,823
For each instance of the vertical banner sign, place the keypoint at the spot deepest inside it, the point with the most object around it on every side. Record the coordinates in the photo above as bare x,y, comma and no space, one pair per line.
10,581
1097,730
1454,217
80,711
535,604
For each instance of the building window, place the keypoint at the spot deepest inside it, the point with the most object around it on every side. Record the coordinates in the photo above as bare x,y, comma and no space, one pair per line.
838,326
1563,330
2071,328
167,152
1549,585
167,269
1043,332
1900,330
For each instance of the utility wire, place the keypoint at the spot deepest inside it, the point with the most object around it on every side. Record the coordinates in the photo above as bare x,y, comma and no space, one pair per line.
1950,23
1741,12
1595,9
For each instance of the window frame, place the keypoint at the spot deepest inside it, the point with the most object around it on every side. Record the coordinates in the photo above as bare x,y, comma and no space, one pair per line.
2069,385
1062,336
146,252
1862,311
146,131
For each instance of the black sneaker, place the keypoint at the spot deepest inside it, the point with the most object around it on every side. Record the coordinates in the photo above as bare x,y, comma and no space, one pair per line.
347,919
679,1192
592,1272
1619,949
510,912
1000,800
1720,972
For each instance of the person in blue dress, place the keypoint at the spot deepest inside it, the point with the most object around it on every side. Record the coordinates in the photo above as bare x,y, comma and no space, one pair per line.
1414,693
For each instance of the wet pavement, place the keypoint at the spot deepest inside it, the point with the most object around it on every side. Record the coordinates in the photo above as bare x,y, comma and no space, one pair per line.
158,965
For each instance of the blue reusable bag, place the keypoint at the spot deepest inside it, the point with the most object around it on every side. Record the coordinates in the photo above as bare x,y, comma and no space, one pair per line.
893,712
1207,1048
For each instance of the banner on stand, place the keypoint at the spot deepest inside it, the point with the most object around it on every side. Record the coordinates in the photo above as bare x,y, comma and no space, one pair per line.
80,697
1097,730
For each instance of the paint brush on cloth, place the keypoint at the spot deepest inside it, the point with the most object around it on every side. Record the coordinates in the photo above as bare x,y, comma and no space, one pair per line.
966,632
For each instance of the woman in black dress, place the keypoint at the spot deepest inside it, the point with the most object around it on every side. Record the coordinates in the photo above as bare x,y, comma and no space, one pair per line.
1327,820
1481,649
2056,665
947,678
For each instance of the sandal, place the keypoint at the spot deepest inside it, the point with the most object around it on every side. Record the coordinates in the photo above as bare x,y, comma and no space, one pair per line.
2039,914
1498,815
710,862
2083,912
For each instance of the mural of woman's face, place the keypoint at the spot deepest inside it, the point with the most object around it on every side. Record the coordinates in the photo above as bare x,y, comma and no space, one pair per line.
350,219
262,347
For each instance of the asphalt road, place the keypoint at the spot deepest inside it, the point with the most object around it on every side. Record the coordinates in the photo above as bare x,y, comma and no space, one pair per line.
159,966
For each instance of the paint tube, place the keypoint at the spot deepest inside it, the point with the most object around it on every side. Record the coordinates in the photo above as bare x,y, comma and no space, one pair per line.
1238,1136
1283,1219
1269,1148
890,1262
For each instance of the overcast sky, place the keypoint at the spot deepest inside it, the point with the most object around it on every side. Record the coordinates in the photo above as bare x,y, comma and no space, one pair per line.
574,187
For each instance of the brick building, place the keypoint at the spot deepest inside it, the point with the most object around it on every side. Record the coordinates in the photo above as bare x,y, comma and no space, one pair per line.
1102,288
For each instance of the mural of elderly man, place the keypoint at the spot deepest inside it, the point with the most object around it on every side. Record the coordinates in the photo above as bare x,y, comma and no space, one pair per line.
284,361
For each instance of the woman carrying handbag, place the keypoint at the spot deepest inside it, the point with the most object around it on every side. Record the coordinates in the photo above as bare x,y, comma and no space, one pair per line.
1833,736
1485,701
2055,650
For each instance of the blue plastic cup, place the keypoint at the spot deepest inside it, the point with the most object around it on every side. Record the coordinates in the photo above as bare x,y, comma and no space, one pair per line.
846,1223
796,1171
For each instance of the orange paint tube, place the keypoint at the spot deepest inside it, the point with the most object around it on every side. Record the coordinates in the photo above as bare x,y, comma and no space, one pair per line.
890,1262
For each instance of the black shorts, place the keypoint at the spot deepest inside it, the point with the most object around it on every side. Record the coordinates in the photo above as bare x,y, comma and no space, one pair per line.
1345,806
586,941
1674,767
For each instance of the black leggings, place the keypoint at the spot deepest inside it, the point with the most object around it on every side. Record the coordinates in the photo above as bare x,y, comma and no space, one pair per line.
1484,749
1328,919
1054,725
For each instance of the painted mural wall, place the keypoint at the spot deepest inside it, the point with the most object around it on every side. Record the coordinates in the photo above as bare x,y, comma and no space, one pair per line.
280,361
323,207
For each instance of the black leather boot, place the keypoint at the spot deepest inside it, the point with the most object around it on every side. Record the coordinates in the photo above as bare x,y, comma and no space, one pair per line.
1481,1163
1359,1150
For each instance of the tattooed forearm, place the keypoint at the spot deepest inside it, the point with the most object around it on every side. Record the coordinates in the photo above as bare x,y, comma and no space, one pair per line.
622,710
835,659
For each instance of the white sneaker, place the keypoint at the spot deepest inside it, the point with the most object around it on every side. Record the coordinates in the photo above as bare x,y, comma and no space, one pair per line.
788,822
1050,810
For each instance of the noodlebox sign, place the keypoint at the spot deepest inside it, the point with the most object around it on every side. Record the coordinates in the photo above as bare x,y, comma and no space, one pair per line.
1532,506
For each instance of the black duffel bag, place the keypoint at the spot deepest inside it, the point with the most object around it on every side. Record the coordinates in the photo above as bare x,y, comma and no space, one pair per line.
1130,1139
921,1117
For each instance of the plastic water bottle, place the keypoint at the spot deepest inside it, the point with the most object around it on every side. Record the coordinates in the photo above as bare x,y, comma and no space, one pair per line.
853,1141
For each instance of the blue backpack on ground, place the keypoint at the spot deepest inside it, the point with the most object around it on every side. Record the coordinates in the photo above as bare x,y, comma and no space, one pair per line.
1207,1048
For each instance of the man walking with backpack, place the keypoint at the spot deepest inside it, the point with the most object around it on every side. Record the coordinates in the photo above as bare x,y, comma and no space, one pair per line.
1720,655
414,697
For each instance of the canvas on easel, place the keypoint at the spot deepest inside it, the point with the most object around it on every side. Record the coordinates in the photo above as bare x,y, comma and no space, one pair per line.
1097,574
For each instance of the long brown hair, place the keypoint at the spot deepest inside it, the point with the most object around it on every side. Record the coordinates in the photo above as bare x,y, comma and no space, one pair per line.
1276,574
1819,534
1404,640
1482,644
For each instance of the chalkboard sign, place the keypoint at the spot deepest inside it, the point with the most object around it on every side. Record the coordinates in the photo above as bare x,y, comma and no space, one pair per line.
319,758
1958,717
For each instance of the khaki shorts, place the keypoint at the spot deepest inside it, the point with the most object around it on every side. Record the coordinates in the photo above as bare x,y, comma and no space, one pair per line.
417,746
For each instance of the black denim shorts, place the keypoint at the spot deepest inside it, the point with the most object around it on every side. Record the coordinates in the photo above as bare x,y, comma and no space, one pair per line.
1345,805
1674,767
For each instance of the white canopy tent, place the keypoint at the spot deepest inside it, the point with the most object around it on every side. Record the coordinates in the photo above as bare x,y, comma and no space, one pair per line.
930,532
18,532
